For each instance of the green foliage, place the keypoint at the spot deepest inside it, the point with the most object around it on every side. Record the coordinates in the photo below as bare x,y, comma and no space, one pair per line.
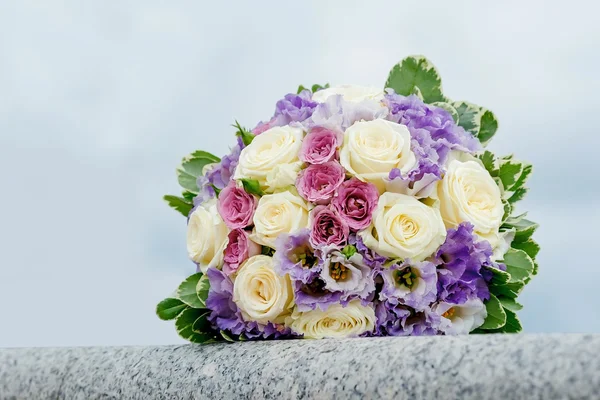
312,88
245,134
190,318
202,289
170,308
349,251
524,228
529,246
448,107
469,116
252,186
518,264
416,75
191,168
510,304
499,277
496,316
179,204
188,293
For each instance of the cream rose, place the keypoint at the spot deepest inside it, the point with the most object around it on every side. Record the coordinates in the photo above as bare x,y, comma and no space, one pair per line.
403,227
272,149
206,236
335,322
282,176
261,294
276,214
468,193
371,149
349,93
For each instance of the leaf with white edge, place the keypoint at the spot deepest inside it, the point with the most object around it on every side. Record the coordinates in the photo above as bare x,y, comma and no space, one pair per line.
488,127
489,162
202,324
202,289
417,92
511,290
185,322
416,71
518,195
192,166
518,264
252,186
508,209
509,172
529,246
512,325
227,337
510,304
187,291
535,268
179,204
469,116
519,183
496,316
170,308
500,277
524,228
448,107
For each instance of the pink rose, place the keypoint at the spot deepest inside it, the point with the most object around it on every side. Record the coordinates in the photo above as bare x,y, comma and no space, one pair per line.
264,126
320,145
239,249
327,228
355,201
236,206
318,182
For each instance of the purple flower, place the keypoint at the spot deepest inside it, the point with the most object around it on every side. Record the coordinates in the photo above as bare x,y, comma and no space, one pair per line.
460,260
236,206
320,145
225,315
355,201
294,108
219,175
239,249
412,284
400,320
370,257
295,256
327,228
351,276
310,295
338,114
318,182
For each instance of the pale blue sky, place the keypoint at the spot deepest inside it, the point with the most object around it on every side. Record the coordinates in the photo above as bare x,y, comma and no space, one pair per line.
100,100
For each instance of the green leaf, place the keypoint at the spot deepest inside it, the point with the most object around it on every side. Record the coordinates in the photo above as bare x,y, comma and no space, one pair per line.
187,291
535,268
508,209
245,134
527,170
202,325
170,308
185,322
301,88
500,277
518,264
496,316
488,127
489,162
518,195
179,204
511,290
202,289
349,251
529,246
189,196
267,251
416,71
317,87
417,92
524,228
252,186
513,325
191,167
448,107
227,337
509,172
510,303
469,116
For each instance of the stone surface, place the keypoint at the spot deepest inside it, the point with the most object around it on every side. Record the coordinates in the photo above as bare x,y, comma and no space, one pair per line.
467,367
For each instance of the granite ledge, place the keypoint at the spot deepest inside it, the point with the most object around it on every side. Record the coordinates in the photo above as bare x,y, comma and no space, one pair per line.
467,367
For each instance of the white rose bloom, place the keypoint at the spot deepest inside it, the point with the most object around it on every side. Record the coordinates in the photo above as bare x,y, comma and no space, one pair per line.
460,319
282,176
206,236
276,214
468,193
261,294
371,149
349,93
335,322
403,227
273,148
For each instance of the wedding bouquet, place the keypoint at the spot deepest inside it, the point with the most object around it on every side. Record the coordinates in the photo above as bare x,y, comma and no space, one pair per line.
355,211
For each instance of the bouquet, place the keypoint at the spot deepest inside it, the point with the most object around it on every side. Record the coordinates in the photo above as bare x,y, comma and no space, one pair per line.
355,211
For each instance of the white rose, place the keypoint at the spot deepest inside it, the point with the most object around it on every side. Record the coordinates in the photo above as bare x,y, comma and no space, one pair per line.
206,236
403,227
352,93
277,214
273,148
335,322
371,149
282,176
261,294
460,319
468,193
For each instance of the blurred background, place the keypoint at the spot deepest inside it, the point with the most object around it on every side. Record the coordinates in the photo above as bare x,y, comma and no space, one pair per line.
100,100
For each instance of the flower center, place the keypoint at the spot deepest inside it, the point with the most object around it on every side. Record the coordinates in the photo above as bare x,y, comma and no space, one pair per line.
406,277
449,314
316,287
305,257
338,271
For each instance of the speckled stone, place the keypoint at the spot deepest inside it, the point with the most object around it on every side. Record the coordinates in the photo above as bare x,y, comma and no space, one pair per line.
467,367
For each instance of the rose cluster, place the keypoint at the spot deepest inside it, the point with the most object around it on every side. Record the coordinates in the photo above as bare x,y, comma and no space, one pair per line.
352,211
